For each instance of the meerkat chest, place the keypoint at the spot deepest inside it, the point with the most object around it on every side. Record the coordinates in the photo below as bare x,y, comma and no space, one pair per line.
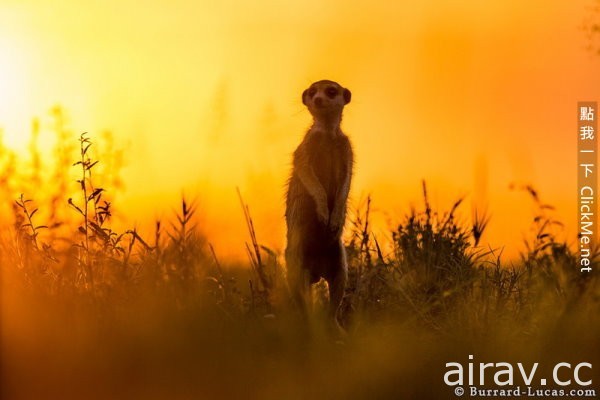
329,164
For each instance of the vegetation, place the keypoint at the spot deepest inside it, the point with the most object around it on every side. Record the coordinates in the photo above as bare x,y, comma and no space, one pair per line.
89,312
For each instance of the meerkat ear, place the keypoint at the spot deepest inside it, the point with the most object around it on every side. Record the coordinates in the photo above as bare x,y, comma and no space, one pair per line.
304,96
347,95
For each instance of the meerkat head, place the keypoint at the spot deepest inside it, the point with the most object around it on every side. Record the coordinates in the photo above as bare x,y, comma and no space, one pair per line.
326,99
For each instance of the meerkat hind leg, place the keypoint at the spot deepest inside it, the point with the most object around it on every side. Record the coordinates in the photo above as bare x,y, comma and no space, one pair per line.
300,288
337,284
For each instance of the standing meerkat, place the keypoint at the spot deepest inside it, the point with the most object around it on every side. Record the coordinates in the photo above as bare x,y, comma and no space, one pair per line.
316,198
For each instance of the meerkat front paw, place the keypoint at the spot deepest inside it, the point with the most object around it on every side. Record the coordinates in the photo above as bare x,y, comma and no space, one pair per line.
323,213
336,221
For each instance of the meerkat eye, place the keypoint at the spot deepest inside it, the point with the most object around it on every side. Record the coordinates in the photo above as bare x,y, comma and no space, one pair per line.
331,92
312,91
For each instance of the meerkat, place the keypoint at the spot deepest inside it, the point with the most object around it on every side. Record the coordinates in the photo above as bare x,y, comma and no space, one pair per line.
316,200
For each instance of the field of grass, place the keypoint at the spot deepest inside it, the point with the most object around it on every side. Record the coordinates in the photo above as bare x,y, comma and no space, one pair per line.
93,313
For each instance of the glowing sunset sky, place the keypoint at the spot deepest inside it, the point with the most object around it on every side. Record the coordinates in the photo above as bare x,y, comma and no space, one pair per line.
205,96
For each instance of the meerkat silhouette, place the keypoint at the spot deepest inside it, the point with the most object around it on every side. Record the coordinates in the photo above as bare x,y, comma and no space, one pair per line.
316,199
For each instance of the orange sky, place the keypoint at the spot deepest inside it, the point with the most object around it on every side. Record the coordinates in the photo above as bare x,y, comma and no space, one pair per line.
470,96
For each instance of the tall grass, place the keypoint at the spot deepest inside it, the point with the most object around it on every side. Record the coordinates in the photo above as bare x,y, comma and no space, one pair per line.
89,312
